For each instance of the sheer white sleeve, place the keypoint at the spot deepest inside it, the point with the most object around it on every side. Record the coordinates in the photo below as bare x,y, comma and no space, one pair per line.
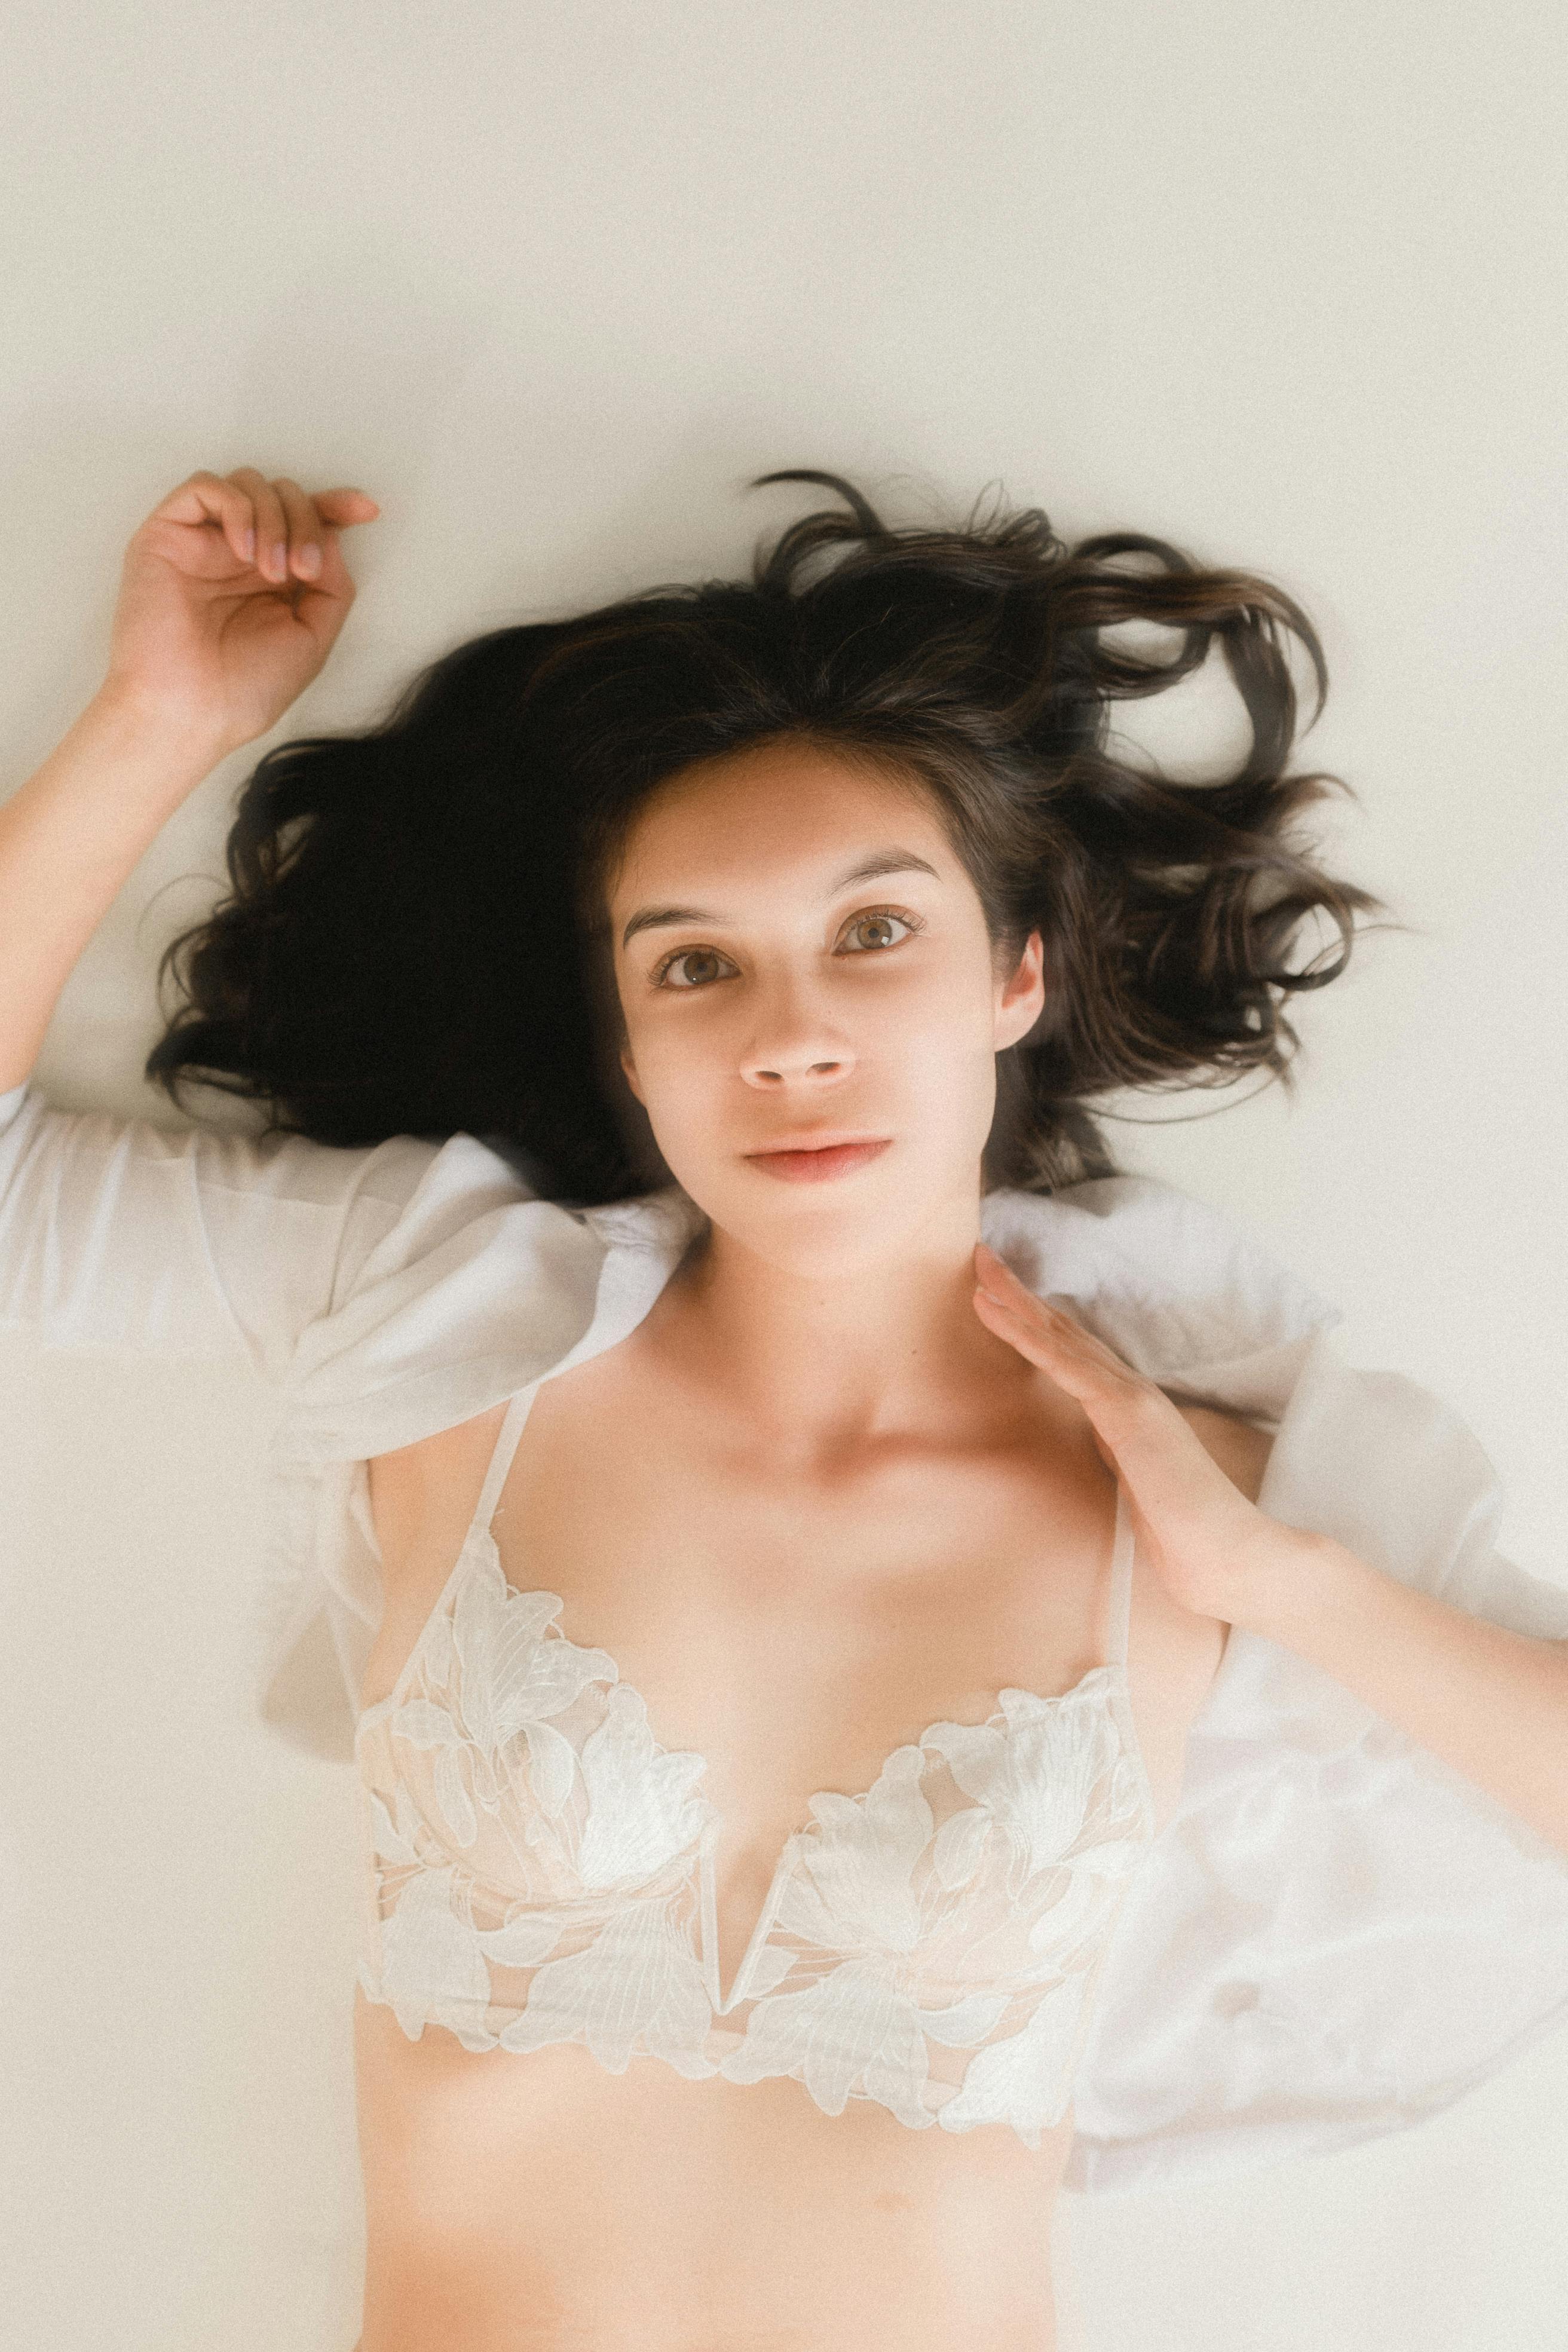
116,1234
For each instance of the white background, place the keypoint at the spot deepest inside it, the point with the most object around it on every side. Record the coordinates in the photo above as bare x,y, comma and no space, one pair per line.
1282,284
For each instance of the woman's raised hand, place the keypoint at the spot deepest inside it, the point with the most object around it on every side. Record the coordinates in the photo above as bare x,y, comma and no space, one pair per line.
232,595
1215,1551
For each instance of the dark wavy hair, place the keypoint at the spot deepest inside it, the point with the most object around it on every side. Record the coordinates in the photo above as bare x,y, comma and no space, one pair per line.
415,940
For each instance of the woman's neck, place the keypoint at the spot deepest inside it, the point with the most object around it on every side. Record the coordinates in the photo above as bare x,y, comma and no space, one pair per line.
819,1357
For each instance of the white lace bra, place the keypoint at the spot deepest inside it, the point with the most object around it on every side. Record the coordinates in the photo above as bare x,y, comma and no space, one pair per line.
541,1870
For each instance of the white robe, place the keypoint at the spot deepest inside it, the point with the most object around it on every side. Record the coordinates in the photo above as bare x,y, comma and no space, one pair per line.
1335,1936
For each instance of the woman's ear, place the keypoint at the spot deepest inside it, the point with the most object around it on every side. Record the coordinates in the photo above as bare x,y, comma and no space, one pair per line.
630,1068
1022,998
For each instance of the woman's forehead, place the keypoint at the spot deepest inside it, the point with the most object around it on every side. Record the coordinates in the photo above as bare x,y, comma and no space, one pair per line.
779,812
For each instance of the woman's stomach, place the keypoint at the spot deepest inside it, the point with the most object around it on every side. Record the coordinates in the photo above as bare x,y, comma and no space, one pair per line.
516,2202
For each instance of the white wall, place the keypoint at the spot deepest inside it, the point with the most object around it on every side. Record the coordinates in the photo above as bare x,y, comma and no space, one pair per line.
1280,283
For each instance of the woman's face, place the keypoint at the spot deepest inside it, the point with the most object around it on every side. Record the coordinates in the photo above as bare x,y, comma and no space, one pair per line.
776,988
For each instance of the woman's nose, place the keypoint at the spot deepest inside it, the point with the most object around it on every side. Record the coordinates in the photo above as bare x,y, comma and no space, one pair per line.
796,1043
782,1068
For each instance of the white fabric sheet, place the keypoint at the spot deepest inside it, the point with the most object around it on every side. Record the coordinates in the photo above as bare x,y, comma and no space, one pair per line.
1335,1936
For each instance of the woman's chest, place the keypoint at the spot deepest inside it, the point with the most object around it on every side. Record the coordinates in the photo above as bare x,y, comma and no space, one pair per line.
788,1626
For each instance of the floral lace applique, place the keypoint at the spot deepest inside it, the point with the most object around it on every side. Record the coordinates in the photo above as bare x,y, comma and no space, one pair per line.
541,1870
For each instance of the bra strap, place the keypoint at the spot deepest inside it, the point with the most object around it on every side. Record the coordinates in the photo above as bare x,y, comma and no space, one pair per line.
501,1459
1121,1580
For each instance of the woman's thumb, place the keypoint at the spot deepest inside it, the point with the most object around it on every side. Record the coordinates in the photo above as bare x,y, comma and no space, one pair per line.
346,506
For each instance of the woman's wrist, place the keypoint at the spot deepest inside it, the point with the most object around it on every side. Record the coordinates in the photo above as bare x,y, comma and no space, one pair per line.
138,725
1309,1590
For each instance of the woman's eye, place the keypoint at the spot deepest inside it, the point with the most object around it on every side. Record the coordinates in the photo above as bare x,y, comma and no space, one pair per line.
883,917
686,955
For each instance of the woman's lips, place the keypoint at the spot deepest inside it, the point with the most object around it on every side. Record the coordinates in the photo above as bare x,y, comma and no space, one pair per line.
816,1167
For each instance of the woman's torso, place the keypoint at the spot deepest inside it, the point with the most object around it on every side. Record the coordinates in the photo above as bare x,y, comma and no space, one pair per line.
792,1625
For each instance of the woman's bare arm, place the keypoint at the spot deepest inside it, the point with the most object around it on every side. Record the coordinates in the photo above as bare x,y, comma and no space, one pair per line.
69,839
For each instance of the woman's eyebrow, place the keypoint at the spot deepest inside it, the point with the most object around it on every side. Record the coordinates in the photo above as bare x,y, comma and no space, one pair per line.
891,860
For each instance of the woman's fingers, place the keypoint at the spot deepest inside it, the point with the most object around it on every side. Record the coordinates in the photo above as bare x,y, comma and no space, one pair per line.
265,514
205,497
274,525
1164,1463
271,523
1052,1342
1066,1340
346,506
303,555
1124,1406
302,547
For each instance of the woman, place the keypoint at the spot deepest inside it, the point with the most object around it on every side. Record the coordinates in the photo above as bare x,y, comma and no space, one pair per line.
780,1641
